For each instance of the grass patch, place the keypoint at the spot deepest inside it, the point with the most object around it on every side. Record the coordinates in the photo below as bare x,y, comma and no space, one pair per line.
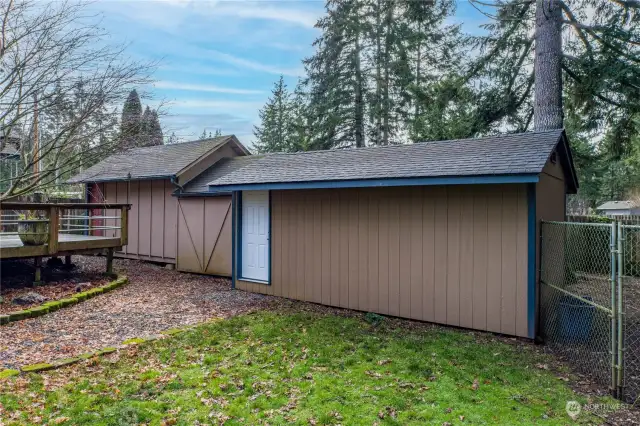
302,368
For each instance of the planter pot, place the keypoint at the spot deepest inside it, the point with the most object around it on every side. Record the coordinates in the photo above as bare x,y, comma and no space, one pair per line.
33,232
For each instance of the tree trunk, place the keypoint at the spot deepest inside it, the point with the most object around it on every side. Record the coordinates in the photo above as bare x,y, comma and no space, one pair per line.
378,57
359,111
548,72
416,107
387,71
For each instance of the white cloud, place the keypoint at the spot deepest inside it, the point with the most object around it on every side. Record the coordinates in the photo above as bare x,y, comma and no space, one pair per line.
244,107
204,88
263,10
257,66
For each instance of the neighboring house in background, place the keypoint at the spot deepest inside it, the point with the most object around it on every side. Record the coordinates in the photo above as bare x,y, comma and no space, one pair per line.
194,233
619,208
445,232
9,164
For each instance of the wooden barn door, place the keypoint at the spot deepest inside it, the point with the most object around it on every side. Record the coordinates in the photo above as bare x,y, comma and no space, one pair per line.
204,235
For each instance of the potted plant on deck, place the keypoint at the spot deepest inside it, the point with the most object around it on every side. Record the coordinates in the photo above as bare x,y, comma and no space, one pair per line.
33,229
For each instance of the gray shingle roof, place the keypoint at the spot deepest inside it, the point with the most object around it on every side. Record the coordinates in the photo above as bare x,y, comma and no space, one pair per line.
149,162
617,205
523,153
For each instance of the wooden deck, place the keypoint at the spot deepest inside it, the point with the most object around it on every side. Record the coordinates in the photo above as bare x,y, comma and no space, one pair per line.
64,243
11,247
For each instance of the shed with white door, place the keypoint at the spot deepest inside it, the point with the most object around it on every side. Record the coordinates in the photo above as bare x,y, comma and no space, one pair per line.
436,231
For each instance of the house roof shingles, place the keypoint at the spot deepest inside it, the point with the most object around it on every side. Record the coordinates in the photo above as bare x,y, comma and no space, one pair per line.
149,162
617,205
523,153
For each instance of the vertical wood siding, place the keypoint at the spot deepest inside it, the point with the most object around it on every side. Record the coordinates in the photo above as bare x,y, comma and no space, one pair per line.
204,235
152,218
454,255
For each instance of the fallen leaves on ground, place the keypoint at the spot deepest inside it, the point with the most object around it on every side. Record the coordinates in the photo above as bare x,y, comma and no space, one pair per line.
155,299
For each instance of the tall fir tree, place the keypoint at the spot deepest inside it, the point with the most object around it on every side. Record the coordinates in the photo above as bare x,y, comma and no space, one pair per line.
276,121
372,67
131,121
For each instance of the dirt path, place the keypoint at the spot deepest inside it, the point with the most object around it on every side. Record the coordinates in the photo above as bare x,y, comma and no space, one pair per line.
156,299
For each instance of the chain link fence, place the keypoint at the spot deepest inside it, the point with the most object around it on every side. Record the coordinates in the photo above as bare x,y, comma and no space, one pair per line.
575,295
590,300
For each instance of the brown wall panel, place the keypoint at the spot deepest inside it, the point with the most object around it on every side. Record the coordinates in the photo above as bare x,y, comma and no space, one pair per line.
204,235
144,218
132,247
455,255
157,218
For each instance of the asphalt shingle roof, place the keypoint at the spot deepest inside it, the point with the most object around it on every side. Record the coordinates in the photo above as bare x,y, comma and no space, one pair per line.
148,162
523,153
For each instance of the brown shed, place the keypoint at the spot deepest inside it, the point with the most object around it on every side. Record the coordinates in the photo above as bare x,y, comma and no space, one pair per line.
194,233
437,231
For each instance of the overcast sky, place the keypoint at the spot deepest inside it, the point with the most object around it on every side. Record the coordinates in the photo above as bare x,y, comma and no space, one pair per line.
219,59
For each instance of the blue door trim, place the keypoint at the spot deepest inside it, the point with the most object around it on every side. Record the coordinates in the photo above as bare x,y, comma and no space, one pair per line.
364,183
532,294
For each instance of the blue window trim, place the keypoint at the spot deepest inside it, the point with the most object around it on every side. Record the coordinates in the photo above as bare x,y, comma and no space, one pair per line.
532,293
364,183
237,242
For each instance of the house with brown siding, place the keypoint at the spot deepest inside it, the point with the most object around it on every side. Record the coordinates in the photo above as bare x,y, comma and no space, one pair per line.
445,232
193,233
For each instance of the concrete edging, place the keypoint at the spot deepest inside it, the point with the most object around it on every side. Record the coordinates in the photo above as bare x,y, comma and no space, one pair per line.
55,305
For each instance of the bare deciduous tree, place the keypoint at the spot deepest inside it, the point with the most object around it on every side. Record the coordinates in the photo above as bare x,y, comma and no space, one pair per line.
56,64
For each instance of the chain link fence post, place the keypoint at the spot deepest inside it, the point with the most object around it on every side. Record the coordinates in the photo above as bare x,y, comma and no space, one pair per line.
615,255
620,312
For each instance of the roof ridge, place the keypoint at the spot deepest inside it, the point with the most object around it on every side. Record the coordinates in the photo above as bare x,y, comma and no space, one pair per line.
164,145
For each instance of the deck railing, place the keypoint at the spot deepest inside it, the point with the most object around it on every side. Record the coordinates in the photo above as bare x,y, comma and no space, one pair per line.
102,220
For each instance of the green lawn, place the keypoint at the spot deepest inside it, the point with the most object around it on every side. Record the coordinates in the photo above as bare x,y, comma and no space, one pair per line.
304,368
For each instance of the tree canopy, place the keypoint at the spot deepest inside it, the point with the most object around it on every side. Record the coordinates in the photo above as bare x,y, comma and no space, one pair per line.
386,72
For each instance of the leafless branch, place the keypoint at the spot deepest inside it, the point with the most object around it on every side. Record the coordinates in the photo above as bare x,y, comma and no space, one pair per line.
57,54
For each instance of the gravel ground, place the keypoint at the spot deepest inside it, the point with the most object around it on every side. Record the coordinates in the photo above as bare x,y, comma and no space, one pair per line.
155,299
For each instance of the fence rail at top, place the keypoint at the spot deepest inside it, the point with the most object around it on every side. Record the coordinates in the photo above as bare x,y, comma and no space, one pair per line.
40,229
590,300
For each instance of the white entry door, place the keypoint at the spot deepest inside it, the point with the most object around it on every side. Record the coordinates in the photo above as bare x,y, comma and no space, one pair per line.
255,235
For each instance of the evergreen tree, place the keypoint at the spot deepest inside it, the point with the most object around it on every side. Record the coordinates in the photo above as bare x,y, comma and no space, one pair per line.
143,138
131,121
154,130
336,79
276,121
373,65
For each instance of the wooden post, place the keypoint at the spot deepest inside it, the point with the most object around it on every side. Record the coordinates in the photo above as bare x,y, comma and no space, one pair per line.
54,222
124,225
38,274
110,261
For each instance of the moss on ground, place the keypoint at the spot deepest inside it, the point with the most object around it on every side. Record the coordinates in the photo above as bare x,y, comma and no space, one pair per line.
18,315
37,367
8,373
